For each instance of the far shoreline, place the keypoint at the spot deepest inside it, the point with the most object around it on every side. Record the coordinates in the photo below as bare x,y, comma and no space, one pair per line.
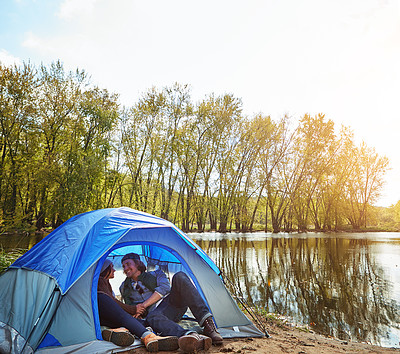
292,232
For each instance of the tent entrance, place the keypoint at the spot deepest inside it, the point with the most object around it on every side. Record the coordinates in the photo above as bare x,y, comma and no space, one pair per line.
229,318
154,257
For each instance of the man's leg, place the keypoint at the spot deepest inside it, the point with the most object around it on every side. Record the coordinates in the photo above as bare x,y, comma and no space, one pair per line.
164,320
162,324
184,293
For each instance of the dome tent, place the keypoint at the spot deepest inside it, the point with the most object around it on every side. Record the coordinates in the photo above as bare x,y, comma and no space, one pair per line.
49,295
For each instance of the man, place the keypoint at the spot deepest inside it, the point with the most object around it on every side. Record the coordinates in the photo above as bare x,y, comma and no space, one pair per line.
145,289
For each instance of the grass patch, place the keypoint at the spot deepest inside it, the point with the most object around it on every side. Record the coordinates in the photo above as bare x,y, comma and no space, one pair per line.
7,258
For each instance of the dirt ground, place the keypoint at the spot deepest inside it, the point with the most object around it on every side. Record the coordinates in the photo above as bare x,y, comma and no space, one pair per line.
289,339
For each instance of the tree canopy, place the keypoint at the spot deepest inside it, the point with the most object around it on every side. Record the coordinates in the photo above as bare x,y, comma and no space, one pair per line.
68,147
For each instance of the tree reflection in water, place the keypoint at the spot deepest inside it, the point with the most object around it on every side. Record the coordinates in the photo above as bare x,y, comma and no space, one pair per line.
334,284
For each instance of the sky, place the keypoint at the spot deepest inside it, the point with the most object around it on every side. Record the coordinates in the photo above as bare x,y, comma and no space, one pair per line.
340,58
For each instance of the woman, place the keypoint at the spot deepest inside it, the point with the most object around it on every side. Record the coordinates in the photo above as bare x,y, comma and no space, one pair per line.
115,314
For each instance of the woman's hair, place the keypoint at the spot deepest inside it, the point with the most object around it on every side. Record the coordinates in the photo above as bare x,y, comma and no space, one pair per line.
106,272
139,265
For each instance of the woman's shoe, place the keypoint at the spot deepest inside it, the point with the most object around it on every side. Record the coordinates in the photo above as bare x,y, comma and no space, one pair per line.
118,336
154,343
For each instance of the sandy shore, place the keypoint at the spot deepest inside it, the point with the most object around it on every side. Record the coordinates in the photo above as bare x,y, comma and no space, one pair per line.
289,339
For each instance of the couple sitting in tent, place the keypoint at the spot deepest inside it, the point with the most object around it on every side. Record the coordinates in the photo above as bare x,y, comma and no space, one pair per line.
141,291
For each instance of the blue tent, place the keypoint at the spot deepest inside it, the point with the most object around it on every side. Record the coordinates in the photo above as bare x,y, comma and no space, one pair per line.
49,295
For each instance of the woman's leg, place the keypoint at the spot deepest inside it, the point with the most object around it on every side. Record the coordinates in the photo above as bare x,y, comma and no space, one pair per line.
112,315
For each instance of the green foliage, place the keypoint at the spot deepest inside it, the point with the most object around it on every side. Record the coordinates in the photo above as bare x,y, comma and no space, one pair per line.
67,147
387,218
56,140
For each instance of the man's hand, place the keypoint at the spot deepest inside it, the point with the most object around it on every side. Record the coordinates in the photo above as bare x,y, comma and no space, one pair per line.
140,310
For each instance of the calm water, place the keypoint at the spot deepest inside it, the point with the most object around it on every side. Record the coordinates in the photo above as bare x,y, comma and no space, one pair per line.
346,285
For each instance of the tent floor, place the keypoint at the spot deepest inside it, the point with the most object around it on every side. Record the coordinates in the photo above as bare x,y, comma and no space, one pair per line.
96,346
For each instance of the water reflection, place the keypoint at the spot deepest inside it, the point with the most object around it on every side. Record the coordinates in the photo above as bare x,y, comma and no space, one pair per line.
334,283
23,241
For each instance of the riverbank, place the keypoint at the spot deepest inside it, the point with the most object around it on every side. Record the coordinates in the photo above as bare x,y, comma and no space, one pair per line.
286,338
256,229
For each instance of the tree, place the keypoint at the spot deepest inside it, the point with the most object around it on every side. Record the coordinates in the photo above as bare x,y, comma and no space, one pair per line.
17,113
274,162
329,202
87,150
227,115
141,127
178,109
364,185
58,102
256,140
315,147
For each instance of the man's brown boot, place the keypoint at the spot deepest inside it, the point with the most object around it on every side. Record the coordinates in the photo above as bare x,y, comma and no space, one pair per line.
193,342
211,331
154,343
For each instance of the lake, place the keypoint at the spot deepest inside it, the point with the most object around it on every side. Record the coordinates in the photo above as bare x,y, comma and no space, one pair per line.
344,285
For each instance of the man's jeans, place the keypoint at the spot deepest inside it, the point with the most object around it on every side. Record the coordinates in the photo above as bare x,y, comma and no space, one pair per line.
183,295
